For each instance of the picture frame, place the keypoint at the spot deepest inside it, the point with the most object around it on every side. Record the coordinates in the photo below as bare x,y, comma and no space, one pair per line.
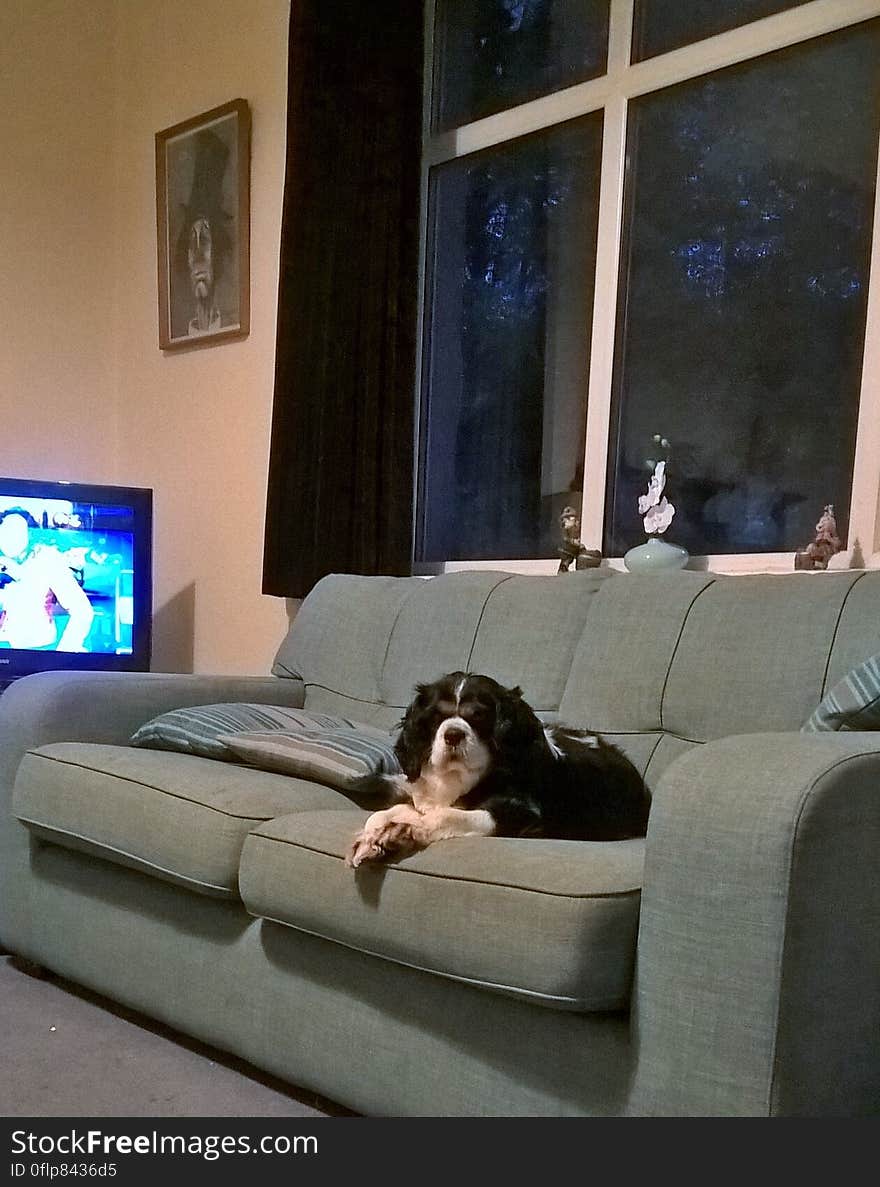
203,227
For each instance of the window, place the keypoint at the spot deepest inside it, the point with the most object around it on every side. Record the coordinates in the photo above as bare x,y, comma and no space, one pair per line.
514,235
749,235
662,25
720,202
493,55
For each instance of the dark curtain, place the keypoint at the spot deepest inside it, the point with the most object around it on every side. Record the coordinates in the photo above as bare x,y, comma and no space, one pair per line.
340,486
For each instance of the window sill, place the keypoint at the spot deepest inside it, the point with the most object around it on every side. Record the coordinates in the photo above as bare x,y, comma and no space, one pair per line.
732,565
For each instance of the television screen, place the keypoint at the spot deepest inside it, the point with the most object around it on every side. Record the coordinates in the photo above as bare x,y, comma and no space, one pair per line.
75,577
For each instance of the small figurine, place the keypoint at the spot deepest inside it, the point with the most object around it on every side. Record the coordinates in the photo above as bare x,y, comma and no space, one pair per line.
572,549
827,542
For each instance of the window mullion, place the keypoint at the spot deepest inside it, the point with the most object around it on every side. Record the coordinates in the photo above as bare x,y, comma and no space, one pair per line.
864,521
604,320
607,268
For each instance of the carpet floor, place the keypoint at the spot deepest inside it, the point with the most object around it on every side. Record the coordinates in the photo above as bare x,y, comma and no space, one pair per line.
69,1053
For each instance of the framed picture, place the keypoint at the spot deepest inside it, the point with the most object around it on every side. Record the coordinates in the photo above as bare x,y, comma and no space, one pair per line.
203,221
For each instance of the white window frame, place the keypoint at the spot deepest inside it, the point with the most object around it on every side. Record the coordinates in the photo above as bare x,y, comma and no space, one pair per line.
611,93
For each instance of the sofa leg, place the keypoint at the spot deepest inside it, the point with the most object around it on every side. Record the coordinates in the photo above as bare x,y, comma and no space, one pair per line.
30,967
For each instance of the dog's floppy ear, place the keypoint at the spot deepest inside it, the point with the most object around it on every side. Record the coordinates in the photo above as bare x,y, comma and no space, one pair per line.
414,740
515,721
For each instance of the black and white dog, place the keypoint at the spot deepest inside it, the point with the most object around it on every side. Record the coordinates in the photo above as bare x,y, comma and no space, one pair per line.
477,761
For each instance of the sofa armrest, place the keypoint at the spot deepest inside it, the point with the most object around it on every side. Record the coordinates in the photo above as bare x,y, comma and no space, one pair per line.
109,706
758,969
94,707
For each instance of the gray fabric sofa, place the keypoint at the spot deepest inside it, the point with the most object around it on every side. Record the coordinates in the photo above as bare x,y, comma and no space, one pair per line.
729,965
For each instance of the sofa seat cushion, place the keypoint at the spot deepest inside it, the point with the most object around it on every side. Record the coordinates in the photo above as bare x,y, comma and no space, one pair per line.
176,816
551,921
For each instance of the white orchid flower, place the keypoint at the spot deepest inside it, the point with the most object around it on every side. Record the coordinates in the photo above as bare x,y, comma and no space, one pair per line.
659,517
655,489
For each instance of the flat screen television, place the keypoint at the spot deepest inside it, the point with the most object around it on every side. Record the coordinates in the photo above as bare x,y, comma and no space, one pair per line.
76,586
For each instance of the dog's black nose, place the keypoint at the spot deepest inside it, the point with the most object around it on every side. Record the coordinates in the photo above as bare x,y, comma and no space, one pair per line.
453,737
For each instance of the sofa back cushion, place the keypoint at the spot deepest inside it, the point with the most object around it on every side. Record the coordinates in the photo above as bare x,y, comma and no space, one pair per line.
753,654
622,661
361,644
857,636
660,662
668,661
434,631
337,642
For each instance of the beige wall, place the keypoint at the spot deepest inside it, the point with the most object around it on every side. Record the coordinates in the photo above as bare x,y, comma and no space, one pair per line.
56,274
85,392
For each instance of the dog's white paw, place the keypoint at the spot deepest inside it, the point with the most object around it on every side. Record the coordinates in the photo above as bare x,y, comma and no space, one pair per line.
381,839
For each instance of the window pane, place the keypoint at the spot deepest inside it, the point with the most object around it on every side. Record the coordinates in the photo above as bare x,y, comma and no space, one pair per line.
662,25
509,308
749,208
494,54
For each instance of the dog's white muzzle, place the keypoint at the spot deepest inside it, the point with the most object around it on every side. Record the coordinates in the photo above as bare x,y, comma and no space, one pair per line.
456,743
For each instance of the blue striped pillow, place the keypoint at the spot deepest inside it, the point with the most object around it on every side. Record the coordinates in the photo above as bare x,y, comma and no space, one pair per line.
337,757
852,704
198,729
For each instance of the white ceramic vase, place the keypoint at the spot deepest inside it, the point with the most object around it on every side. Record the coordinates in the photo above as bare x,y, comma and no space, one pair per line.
655,555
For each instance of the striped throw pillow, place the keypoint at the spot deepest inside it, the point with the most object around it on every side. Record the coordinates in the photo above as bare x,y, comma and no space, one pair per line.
198,729
852,704
336,757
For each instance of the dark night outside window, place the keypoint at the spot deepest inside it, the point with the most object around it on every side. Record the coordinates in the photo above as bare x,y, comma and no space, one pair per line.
744,285
663,25
494,54
512,255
